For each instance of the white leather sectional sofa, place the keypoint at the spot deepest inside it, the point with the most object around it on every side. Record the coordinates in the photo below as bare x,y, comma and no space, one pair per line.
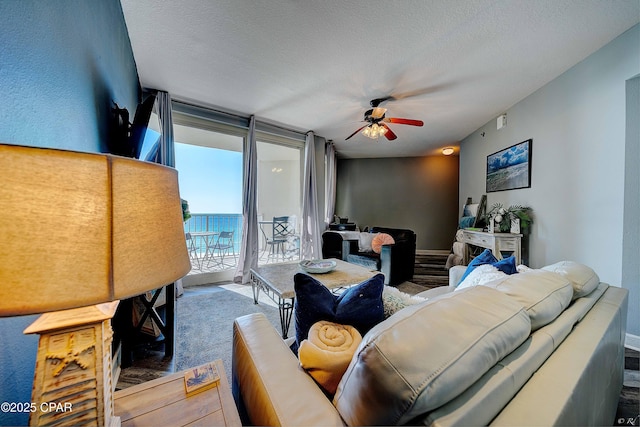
542,347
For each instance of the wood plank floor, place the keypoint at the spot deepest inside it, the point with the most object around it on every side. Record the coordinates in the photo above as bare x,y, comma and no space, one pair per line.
430,270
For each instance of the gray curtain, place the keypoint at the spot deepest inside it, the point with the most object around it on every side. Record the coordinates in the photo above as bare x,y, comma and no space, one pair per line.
163,151
330,183
249,249
167,149
311,247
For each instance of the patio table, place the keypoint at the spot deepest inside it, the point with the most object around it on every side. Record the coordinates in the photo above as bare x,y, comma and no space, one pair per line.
207,238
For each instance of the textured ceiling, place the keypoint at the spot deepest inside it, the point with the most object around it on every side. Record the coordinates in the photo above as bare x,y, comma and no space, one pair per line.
315,65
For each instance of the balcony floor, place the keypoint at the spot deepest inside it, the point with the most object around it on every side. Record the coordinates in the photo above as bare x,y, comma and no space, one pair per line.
229,262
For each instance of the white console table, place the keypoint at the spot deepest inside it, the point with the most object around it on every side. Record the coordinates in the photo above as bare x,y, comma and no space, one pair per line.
497,242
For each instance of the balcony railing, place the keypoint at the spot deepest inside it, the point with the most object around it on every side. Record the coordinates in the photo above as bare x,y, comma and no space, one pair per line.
214,222
204,228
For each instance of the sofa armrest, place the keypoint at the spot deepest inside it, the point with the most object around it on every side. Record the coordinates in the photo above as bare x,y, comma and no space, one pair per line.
397,262
390,264
269,386
331,244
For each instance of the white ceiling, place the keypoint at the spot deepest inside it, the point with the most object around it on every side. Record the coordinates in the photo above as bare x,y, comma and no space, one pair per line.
315,65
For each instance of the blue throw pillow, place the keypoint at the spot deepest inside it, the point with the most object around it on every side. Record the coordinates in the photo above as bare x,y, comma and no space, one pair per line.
506,265
359,306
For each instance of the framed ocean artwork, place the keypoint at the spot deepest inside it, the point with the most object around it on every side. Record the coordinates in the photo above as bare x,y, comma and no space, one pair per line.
510,168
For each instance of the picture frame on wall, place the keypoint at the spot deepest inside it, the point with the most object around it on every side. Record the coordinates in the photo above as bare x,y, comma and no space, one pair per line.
510,168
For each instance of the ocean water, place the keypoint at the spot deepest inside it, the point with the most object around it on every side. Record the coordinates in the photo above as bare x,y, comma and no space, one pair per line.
215,222
511,177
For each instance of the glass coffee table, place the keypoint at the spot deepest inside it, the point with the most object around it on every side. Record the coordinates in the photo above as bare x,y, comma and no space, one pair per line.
276,281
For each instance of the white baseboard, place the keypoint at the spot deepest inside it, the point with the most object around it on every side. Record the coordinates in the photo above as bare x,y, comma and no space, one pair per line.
208,278
632,342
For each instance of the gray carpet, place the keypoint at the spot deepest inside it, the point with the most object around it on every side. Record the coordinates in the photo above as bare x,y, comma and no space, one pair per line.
204,330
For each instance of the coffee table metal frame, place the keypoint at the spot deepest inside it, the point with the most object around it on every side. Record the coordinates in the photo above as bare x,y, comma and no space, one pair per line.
276,281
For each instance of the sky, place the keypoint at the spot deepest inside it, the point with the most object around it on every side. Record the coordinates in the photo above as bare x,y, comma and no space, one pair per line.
210,179
511,156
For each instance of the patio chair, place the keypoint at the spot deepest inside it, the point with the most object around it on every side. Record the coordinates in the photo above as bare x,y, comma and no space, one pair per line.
222,247
194,253
283,230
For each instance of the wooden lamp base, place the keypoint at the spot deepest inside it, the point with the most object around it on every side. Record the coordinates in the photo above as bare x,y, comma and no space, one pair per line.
72,382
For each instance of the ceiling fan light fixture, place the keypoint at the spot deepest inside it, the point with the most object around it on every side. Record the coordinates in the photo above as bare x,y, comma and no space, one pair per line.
374,131
376,117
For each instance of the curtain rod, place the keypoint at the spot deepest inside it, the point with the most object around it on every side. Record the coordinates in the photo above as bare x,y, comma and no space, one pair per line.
238,119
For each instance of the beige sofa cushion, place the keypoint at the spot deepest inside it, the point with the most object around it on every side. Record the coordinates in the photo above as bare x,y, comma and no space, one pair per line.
427,354
543,294
583,279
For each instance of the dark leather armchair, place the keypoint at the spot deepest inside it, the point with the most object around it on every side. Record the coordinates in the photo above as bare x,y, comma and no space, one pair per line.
332,244
395,261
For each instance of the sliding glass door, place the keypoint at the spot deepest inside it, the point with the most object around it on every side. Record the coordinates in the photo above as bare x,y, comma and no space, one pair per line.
279,201
209,160
209,167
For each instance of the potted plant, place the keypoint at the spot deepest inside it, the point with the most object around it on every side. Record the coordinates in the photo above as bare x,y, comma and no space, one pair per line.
185,210
503,218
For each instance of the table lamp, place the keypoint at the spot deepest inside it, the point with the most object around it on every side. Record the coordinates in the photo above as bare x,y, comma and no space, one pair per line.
79,231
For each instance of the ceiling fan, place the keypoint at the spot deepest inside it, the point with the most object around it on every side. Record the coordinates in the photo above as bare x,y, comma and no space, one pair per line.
377,121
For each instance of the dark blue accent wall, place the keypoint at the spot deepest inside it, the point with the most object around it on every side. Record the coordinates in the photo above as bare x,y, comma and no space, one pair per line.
62,64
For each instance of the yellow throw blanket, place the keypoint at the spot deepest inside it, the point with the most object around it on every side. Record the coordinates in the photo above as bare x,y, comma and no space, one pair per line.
327,352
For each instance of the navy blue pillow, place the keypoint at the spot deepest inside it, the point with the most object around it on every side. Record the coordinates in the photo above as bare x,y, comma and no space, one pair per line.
506,265
359,306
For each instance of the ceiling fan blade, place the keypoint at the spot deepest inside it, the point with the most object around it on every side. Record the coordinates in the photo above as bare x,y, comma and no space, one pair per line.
404,121
356,131
375,102
389,134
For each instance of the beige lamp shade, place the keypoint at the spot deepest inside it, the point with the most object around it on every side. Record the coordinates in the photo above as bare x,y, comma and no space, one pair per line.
78,229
